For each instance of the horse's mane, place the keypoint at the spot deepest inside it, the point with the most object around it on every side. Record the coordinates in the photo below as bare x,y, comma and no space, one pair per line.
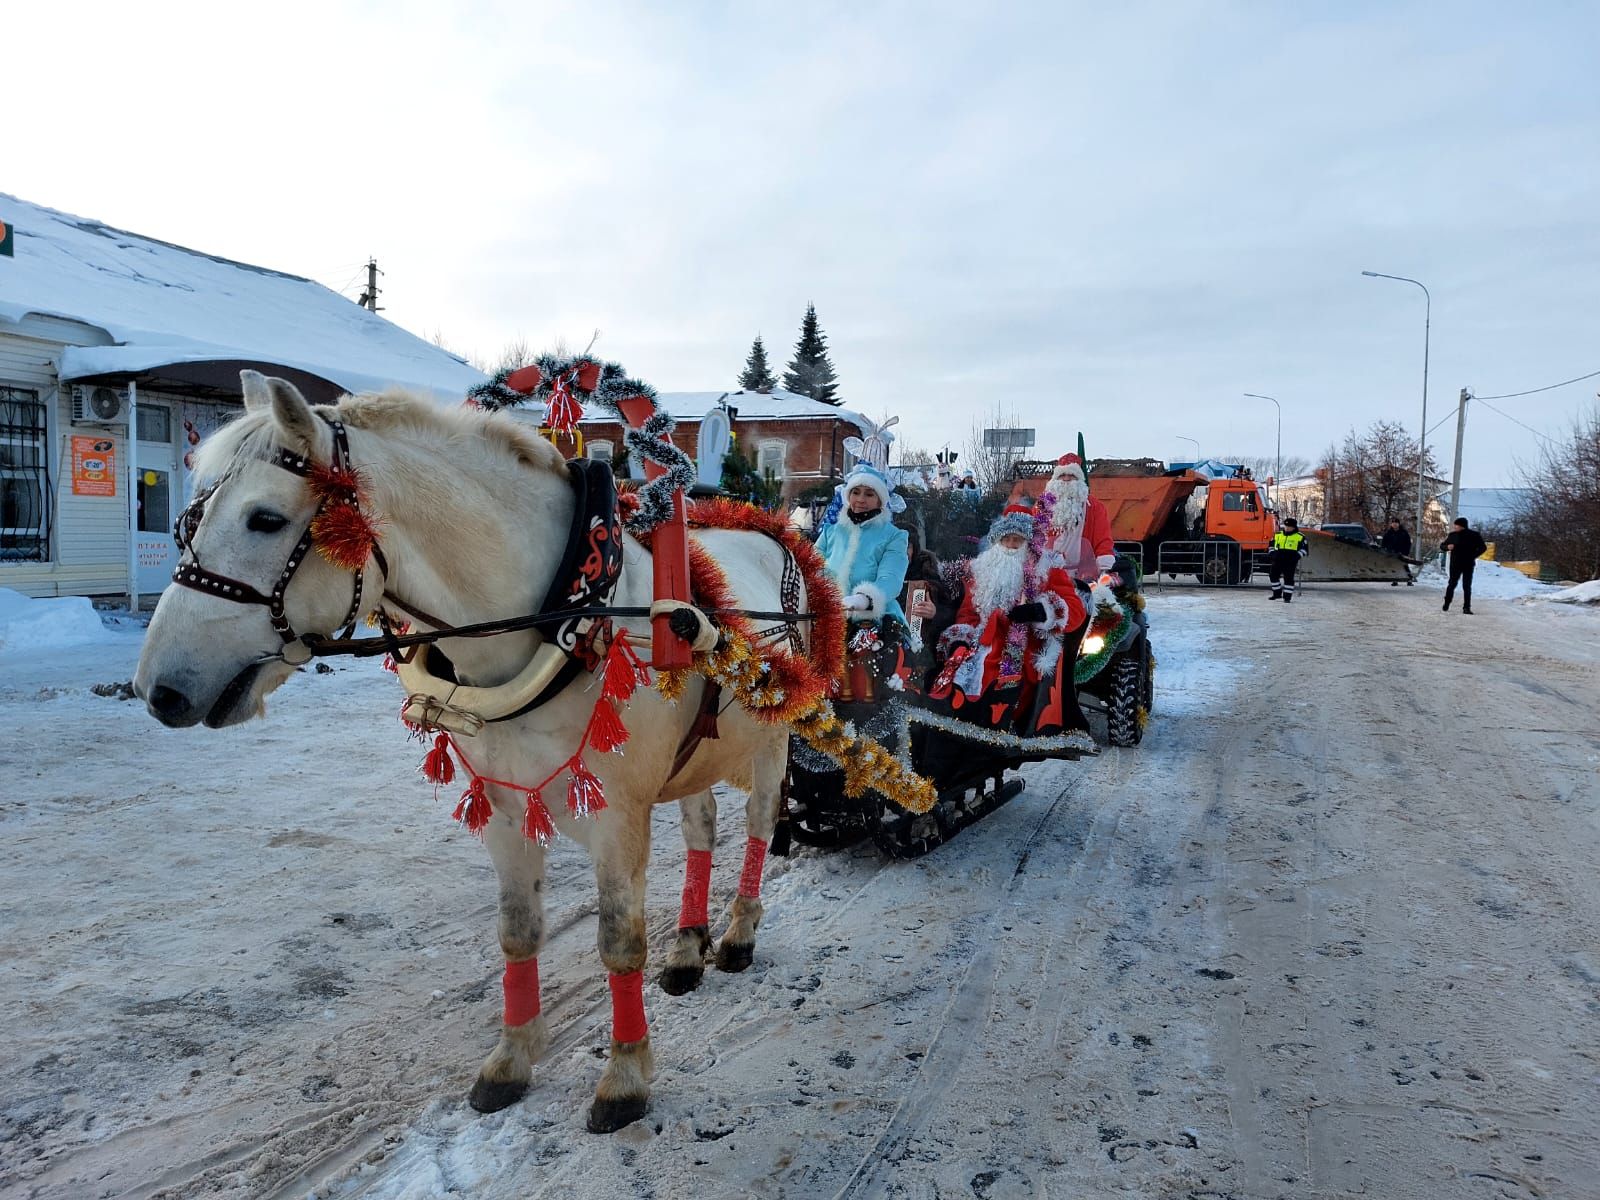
397,411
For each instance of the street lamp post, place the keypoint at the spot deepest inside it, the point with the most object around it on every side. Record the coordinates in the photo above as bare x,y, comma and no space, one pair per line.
1181,438
1422,434
1278,471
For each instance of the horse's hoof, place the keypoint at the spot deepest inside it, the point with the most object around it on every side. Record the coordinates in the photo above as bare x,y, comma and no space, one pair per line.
680,981
732,957
608,1116
489,1095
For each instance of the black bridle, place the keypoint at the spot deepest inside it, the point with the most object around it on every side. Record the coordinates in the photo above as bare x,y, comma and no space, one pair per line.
191,574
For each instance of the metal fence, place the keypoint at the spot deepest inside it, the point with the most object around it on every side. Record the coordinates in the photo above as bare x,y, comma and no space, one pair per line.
1133,550
1212,563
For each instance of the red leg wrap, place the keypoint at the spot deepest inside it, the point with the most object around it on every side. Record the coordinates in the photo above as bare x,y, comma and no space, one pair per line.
755,857
521,985
696,887
627,1007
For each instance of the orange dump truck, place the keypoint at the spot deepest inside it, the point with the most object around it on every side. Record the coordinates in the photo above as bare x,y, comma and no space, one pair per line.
1218,529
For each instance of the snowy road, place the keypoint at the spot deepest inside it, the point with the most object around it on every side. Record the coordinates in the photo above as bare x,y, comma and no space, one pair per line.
1331,931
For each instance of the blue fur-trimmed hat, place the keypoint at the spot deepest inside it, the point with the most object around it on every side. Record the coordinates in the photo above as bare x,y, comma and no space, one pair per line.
1016,519
864,474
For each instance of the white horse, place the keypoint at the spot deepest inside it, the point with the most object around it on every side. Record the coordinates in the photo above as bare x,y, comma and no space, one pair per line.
473,511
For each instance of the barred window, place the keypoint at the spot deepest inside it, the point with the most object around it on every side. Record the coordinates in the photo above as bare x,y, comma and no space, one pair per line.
24,478
599,451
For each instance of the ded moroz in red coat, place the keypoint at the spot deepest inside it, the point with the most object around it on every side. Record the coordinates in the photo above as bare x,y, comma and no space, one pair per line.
998,683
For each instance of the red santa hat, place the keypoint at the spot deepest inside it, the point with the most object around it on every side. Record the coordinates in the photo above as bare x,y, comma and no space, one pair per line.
1068,466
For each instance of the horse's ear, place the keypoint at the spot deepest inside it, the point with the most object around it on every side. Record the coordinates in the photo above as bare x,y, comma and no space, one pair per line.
291,412
254,385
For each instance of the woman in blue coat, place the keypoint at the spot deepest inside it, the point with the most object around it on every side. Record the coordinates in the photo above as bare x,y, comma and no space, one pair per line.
865,551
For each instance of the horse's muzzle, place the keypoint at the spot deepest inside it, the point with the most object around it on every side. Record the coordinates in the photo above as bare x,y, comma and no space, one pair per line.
172,707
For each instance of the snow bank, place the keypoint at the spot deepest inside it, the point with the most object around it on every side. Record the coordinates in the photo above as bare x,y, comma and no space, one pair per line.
1490,581
30,624
1584,593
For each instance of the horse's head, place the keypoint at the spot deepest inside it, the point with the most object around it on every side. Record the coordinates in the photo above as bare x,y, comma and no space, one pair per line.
253,584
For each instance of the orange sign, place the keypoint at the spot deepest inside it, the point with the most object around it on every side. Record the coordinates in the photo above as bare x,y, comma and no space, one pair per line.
94,466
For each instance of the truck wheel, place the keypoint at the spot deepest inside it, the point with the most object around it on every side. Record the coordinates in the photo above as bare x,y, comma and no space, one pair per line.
1123,726
1222,562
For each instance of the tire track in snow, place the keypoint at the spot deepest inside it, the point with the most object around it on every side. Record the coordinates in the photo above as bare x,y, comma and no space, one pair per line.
957,1033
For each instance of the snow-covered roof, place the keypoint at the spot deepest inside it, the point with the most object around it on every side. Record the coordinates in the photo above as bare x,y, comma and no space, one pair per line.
1486,506
163,304
752,406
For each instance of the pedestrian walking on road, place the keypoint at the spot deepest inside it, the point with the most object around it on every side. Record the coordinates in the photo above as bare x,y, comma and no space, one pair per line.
1463,545
1288,548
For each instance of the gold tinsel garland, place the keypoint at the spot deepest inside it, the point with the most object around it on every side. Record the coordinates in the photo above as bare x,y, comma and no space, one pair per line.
867,764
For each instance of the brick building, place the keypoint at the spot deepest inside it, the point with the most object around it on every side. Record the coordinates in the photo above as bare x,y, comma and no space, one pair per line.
800,440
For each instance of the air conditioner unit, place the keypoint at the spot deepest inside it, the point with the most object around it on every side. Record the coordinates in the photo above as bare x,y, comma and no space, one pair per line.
99,405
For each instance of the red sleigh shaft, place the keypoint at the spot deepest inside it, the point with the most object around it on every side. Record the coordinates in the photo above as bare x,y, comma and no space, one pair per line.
670,553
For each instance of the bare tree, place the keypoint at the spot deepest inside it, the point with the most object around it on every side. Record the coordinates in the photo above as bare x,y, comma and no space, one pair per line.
1560,513
1372,477
991,464
1263,465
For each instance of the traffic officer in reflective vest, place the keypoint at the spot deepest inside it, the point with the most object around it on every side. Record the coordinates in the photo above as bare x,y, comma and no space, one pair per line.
1288,548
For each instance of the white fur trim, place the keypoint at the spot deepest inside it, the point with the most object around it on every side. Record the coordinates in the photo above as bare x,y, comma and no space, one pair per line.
863,479
1049,654
852,543
1106,561
1057,613
877,601
1101,596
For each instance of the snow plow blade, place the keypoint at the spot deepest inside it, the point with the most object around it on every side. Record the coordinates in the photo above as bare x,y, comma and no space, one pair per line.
1332,559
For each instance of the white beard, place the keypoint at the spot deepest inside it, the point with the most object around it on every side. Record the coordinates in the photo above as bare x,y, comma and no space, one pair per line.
996,579
1072,498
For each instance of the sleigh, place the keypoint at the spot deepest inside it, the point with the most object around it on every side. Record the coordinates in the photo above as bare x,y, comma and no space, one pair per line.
969,759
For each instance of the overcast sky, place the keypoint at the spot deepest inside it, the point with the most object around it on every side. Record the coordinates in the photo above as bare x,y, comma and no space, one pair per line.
1107,217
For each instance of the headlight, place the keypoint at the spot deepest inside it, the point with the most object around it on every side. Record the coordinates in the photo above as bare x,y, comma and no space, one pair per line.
1092,644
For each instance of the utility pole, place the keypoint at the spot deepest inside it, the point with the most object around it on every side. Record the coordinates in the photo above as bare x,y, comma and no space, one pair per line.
369,298
1455,477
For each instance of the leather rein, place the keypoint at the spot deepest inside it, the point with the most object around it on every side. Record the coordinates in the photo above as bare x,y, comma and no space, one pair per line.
300,648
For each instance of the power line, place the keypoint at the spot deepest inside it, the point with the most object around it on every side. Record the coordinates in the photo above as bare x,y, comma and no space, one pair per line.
1514,421
1531,391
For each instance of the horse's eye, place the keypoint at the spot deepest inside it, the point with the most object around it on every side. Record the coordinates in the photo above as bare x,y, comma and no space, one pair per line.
264,521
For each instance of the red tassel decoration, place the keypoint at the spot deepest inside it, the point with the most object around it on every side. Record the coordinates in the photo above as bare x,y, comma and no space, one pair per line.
438,768
606,730
563,410
388,664
344,535
622,676
586,795
536,824
474,810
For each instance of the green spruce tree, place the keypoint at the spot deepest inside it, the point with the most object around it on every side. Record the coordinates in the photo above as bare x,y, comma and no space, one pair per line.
810,372
757,376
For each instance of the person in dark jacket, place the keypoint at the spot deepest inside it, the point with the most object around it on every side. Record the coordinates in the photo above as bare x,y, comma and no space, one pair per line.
1463,545
1396,540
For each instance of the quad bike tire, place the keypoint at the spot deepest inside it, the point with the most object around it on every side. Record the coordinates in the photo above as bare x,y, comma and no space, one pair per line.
1127,700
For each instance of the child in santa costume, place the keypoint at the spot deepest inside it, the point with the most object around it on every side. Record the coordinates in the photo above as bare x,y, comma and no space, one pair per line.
1078,527
1005,667
866,553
